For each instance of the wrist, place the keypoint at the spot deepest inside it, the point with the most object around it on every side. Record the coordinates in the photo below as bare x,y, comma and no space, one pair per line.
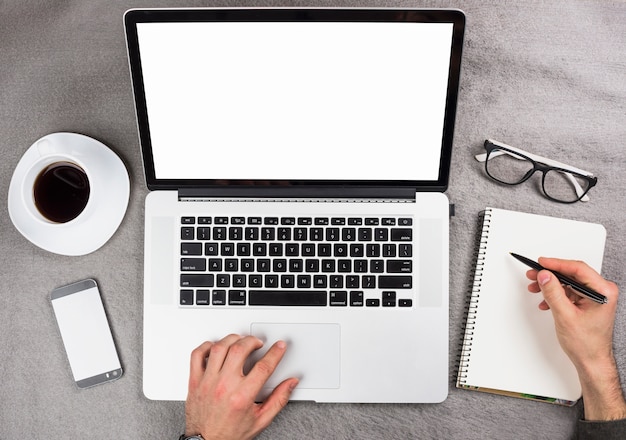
602,393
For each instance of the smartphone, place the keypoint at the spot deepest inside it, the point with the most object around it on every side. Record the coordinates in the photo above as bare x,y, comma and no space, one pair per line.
86,333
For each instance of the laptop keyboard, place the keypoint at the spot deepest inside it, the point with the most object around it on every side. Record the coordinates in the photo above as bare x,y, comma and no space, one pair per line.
296,261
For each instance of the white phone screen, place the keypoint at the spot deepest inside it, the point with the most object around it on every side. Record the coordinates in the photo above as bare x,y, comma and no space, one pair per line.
86,334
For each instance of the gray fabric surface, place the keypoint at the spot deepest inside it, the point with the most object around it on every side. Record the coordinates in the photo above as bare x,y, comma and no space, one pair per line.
545,76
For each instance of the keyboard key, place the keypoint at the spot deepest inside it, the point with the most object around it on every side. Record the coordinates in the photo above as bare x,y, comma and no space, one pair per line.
320,281
205,220
356,250
287,298
304,281
284,234
338,298
268,234
219,233
389,299
395,282
375,302
271,281
247,265
187,233
399,266
215,264
405,250
239,280
211,249
204,233
255,281
336,281
235,233
218,298
193,264
191,248
405,222
186,297
332,234
389,250
320,221
405,303
287,281
188,221
237,221
270,221
381,234
365,234
388,222
227,249
236,297
305,221
300,234
254,220
356,299
196,280
348,234
401,234
202,297
221,220
368,282
222,280
352,281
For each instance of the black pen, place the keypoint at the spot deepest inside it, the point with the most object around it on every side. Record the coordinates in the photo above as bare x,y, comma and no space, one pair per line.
577,287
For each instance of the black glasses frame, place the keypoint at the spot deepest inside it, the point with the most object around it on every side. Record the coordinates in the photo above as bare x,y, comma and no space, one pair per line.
537,166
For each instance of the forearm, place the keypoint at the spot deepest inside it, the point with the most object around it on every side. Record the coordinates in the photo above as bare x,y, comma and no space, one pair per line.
602,392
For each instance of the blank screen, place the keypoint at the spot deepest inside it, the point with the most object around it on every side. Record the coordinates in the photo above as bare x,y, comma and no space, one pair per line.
86,334
284,100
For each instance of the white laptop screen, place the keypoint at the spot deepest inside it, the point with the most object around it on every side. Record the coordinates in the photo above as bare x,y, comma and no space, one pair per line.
287,101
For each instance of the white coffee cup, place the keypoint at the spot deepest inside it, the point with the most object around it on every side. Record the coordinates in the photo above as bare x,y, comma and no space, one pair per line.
56,187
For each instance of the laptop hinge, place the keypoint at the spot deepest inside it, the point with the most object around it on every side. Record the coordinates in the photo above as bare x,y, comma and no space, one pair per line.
300,192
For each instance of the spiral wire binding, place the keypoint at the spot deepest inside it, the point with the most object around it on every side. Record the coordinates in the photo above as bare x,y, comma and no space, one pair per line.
472,302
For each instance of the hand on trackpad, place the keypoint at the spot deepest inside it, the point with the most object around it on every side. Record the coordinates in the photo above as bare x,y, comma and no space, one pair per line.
313,353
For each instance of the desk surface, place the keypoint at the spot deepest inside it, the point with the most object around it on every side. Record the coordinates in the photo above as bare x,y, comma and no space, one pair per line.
543,76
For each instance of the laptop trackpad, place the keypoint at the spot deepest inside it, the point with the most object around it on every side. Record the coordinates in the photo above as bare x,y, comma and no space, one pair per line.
313,353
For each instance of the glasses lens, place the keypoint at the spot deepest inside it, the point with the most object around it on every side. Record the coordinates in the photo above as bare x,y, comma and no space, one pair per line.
563,186
508,167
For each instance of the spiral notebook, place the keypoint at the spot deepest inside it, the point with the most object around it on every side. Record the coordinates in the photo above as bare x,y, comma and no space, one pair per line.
509,345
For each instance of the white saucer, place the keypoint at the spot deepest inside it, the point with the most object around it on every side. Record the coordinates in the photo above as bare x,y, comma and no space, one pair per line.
109,194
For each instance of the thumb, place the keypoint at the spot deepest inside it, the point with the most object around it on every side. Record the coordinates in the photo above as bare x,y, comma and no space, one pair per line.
553,292
277,400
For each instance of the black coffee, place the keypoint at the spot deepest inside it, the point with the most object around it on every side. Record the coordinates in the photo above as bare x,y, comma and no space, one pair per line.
61,191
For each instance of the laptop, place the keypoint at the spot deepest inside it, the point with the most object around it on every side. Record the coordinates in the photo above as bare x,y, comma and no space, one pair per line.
296,161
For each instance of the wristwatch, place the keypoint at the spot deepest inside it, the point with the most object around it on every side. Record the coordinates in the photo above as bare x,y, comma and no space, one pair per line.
191,437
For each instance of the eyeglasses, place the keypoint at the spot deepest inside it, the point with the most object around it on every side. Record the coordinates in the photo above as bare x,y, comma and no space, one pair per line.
512,166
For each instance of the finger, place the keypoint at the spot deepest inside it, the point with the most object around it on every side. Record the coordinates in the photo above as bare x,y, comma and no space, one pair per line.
198,363
553,293
531,274
584,274
218,353
239,352
276,401
577,270
264,367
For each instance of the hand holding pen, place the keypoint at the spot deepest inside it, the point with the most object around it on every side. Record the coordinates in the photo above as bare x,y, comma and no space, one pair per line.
584,329
578,288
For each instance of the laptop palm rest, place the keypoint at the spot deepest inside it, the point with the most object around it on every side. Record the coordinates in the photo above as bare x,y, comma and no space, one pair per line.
313,353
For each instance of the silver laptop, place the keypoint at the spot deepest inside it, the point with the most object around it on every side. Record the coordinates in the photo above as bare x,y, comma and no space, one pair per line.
297,160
